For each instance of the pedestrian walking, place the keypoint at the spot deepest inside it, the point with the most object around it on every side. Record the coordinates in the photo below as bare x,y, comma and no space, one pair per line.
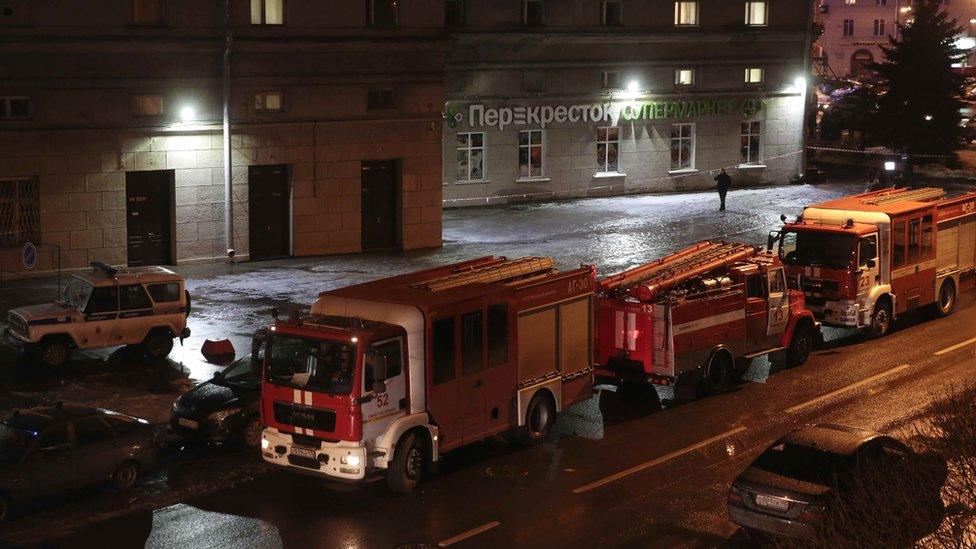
722,183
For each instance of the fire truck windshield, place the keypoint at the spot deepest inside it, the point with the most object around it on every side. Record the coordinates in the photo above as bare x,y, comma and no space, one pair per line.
313,364
812,248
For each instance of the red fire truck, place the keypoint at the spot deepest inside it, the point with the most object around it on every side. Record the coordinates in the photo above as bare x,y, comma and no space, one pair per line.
694,314
862,260
386,376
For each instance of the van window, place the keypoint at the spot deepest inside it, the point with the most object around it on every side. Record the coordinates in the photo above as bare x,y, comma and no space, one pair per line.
442,344
133,297
165,292
898,244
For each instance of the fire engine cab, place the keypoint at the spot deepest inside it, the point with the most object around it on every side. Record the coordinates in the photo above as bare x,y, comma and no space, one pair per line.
692,315
862,260
386,376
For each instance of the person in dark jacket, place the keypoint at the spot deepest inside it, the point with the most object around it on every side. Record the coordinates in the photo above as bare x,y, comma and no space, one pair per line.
722,183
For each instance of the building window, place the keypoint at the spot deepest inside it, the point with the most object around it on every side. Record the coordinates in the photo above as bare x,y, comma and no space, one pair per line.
471,156
756,14
533,13
879,27
754,75
382,13
269,101
682,146
848,27
267,12
611,80
19,212
380,99
147,12
15,108
531,153
751,143
685,14
147,105
684,77
454,13
880,2
612,12
607,146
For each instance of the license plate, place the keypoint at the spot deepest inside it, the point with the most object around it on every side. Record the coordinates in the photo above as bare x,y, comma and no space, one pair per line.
770,502
188,423
303,452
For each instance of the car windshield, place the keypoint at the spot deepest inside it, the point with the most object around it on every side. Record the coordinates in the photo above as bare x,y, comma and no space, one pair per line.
817,249
76,293
314,364
239,374
804,463
15,441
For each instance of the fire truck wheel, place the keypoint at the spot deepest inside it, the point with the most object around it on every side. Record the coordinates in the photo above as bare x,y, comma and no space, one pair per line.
718,375
800,345
407,467
539,417
880,319
947,298
54,351
158,344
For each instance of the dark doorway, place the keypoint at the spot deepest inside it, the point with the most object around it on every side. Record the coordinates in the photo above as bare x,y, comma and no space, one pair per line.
379,205
268,209
149,217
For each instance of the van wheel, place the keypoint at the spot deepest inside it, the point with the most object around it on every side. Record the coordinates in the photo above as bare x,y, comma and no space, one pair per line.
947,298
251,432
718,376
125,475
800,345
539,417
407,467
158,344
880,319
54,351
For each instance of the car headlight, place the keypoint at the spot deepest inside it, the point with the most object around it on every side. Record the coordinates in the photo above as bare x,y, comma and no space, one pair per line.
176,405
265,444
223,414
349,460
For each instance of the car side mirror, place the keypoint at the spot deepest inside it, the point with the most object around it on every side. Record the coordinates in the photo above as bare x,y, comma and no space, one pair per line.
771,240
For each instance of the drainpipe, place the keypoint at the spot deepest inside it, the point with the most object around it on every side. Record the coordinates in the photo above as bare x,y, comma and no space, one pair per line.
228,176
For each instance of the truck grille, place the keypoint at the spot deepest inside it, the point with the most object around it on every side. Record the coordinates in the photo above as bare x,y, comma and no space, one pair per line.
304,416
17,325
810,284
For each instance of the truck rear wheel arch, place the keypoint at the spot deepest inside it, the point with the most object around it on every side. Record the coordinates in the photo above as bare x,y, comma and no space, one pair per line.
714,380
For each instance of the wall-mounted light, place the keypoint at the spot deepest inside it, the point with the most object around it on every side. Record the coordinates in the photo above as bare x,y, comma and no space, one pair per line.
889,166
187,114
633,86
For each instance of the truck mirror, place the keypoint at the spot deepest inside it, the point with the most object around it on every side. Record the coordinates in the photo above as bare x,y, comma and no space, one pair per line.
257,342
771,240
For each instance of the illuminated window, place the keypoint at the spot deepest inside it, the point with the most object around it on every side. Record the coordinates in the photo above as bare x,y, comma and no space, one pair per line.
15,108
607,147
268,102
19,212
147,105
686,14
756,14
754,75
382,13
454,13
751,143
471,156
147,12
611,80
380,99
682,146
267,12
684,77
533,13
531,153
612,12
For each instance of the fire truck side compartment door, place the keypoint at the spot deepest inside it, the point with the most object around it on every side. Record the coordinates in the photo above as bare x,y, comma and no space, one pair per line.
779,304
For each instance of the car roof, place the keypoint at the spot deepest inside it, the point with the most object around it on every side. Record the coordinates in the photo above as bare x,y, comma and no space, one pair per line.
832,437
130,275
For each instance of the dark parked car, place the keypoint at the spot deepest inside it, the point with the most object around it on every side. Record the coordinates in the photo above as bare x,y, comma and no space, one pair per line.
792,487
53,449
224,409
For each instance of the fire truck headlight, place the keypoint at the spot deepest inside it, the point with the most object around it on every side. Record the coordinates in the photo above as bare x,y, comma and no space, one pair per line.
265,444
349,460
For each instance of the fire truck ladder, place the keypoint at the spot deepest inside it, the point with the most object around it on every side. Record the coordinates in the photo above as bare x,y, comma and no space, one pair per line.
925,194
715,256
505,271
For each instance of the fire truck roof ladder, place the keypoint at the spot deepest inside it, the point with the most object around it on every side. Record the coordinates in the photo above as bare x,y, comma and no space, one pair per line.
715,256
925,194
506,271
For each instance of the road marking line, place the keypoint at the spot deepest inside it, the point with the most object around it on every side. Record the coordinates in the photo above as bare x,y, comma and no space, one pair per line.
470,533
836,392
956,346
653,462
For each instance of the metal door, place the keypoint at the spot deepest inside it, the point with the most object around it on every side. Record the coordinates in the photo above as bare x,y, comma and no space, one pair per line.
149,207
779,303
442,396
268,201
379,205
500,374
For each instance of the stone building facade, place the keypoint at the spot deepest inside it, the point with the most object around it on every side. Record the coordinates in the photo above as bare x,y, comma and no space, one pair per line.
111,145
591,97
